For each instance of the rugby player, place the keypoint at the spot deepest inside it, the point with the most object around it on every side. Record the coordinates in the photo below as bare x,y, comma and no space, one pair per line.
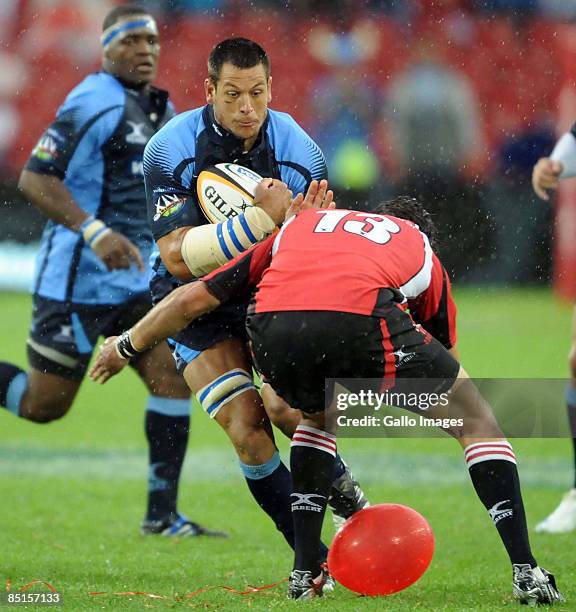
235,126
332,293
85,175
547,174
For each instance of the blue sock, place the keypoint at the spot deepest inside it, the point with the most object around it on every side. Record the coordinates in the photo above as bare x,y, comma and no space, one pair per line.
339,466
167,426
13,383
271,486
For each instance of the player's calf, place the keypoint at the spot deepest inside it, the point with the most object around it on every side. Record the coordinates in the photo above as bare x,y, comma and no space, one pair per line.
232,401
346,496
491,463
492,466
312,454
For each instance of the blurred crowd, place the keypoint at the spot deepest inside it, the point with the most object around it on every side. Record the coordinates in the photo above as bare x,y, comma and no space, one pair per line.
435,98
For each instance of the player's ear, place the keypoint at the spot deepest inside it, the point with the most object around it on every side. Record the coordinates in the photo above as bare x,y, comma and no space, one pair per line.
269,89
209,89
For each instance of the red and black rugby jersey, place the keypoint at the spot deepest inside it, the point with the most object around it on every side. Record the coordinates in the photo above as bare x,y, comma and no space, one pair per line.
342,260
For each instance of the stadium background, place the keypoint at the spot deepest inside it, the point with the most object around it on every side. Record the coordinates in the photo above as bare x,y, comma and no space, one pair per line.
71,493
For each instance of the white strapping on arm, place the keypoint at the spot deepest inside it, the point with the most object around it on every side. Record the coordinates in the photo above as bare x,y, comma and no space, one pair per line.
206,247
565,152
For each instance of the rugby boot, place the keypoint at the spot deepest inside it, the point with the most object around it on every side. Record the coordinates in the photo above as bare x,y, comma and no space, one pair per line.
534,586
330,583
302,586
178,526
346,498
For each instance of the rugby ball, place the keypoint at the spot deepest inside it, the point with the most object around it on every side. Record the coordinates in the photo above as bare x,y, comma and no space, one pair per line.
225,191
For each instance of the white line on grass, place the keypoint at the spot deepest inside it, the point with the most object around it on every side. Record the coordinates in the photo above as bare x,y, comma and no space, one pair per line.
221,465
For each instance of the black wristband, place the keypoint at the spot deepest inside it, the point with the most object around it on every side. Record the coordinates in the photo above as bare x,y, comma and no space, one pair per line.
125,347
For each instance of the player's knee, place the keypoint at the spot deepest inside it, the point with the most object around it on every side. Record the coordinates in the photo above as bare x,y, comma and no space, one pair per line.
483,425
477,423
44,411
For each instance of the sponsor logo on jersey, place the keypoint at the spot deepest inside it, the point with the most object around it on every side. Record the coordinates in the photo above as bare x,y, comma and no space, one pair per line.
167,205
137,136
304,501
497,514
46,149
241,171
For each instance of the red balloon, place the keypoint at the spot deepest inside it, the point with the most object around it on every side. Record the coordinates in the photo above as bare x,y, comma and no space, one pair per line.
381,550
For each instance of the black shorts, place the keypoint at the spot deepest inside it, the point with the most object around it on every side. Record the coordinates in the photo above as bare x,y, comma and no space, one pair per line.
63,335
298,351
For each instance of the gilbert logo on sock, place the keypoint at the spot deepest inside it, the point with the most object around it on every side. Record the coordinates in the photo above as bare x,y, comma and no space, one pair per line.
304,502
497,514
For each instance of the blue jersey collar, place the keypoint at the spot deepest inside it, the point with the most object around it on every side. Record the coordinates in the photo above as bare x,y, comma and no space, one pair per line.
233,145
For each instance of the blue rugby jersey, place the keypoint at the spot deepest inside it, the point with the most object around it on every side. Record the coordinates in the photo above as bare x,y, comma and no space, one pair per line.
96,146
193,141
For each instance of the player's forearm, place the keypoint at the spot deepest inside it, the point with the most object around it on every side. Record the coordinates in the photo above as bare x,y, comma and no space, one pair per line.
49,195
172,314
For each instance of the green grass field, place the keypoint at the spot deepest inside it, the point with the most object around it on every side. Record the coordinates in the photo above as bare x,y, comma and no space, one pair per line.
72,493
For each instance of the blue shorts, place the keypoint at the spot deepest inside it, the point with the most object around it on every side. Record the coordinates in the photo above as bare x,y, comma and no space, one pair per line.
227,321
63,334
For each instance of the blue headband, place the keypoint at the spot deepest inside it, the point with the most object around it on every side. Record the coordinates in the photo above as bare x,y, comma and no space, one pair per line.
114,31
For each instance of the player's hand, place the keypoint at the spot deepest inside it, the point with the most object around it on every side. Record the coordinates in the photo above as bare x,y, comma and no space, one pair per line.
274,197
546,175
317,196
108,363
117,252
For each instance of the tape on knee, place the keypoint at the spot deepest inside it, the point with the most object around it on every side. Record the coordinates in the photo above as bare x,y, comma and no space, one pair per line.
224,389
